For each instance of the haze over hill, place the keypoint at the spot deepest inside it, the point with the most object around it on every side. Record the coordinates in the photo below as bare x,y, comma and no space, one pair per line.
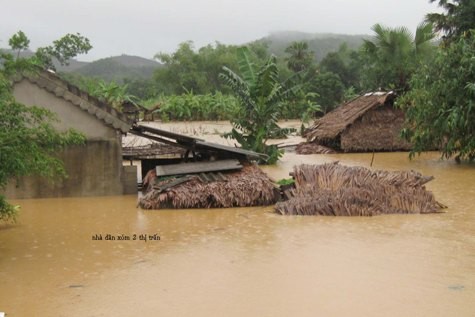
118,68
320,43
126,66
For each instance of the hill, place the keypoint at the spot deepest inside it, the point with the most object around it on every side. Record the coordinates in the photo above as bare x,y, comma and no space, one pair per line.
73,64
119,67
320,43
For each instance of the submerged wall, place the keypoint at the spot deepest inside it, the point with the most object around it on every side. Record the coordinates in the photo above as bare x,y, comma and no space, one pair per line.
378,130
91,170
94,169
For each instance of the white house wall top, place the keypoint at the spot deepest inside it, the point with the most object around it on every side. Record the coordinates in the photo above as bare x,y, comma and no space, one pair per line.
62,89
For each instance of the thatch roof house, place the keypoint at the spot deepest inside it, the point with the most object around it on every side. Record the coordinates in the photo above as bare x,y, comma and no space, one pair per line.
94,169
366,123
336,190
245,187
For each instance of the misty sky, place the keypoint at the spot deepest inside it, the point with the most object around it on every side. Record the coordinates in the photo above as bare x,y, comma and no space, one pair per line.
146,27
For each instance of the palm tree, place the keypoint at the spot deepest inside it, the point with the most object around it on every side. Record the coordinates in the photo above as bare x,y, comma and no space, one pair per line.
260,95
459,17
394,53
300,57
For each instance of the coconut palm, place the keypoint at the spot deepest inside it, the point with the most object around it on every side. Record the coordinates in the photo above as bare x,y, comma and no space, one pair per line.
260,95
394,53
459,17
300,57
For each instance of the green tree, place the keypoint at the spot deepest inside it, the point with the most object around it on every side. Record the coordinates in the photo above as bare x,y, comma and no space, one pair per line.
394,54
260,95
181,71
300,56
330,90
63,49
28,143
440,108
28,139
188,70
459,17
346,63
19,42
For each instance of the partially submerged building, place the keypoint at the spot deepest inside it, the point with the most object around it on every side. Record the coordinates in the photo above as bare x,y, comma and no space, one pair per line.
366,123
94,169
220,184
336,190
172,148
181,171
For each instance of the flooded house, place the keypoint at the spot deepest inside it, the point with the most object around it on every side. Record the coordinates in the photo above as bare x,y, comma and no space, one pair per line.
181,171
367,123
333,189
94,169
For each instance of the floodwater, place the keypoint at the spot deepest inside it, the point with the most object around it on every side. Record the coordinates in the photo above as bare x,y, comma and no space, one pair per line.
247,261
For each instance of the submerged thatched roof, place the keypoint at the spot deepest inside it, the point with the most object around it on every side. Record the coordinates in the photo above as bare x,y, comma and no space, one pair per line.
335,122
337,190
313,148
247,187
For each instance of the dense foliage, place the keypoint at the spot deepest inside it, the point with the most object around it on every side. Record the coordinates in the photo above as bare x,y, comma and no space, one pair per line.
394,54
191,107
28,139
260,96
458,18
300,57
441,105
28,142
188,70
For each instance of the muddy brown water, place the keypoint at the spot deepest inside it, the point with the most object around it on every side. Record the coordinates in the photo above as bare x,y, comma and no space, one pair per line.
245,262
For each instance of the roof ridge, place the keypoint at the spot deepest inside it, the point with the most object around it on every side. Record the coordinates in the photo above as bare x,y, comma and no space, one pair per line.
71,93
337,120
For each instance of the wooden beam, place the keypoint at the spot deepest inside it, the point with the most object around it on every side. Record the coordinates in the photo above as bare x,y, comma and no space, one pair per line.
198,167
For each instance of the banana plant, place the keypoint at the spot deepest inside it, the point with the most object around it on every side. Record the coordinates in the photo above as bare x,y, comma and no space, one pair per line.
260,96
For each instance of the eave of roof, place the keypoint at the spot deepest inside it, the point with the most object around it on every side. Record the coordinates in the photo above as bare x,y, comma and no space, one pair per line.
62,89
335,122
191,143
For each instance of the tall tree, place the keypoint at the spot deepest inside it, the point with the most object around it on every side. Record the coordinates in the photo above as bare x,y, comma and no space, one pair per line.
393,55
440,108
330,90
459,17
346,64
189,70
300,56
260,95
19,42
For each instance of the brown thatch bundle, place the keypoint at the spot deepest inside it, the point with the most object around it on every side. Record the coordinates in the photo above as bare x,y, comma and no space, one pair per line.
313,148
247,187
337,190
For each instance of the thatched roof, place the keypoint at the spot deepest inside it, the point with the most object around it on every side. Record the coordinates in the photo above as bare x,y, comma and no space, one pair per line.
335,122
247,187
313,148
337,190
55,85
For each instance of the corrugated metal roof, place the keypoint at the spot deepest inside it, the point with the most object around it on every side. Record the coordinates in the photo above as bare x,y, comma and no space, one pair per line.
193,144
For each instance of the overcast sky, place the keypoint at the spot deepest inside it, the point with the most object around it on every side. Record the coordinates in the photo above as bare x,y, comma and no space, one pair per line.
146,27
